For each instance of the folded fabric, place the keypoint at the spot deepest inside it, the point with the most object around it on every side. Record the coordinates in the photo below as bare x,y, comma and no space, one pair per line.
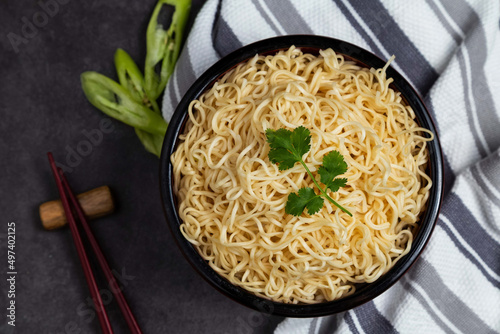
449,50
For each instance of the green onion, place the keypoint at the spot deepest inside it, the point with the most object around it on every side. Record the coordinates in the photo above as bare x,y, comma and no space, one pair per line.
130,77
133,100
115,101
163,45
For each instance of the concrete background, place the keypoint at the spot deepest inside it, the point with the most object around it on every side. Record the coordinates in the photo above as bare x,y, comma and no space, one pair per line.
43,109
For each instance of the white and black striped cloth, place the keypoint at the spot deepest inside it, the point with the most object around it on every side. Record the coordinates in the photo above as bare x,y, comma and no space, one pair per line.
450,51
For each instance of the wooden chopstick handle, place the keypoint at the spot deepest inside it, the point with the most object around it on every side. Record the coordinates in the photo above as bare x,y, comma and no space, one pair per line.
113,284
89,276
95,203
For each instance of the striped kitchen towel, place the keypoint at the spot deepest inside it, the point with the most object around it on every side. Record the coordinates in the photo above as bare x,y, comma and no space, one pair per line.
450,51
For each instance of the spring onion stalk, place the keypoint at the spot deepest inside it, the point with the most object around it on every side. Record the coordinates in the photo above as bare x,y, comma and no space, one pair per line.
111,98
163,45
131,78
133,99
151,142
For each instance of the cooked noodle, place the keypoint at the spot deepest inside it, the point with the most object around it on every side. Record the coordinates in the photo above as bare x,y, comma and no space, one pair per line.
232,198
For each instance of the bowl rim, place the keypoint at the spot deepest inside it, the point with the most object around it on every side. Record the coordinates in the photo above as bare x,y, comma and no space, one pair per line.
366,292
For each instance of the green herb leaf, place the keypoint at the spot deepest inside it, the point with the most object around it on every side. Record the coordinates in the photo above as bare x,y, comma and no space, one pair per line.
288,147
306,197
336,184
333,166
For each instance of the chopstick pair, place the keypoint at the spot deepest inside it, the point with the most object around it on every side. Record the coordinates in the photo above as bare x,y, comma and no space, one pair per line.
65,193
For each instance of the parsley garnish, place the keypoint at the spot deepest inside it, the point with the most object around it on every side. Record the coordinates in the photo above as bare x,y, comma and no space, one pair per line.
287,148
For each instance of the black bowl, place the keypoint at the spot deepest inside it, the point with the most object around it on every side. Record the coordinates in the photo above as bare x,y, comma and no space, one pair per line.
364,292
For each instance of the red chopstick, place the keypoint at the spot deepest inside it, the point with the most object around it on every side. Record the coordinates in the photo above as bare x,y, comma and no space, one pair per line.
89,276
115,289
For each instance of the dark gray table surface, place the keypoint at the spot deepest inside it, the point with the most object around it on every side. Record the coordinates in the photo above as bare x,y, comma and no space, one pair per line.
43,109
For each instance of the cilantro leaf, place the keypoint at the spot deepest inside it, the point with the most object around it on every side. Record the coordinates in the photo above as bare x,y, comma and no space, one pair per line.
336,184
288,147
306,197
301,140
333,166
283,158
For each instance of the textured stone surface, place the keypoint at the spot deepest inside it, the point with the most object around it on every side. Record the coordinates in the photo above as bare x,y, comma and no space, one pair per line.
42,109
